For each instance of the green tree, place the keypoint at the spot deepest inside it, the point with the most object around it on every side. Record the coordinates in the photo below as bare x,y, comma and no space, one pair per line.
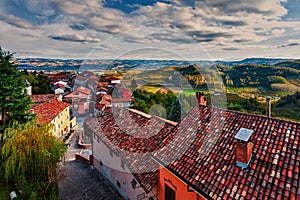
31,155
40,83
14,101
175,113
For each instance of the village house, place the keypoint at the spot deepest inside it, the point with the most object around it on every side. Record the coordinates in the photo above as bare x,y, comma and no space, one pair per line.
220,154
122,142
57,114
61,76
38,99
79,100
212,153
83,78
122,102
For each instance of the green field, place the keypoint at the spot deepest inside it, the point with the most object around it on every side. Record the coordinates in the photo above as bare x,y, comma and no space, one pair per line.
188,92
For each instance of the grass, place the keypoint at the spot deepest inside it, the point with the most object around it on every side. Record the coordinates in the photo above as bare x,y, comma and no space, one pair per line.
241,90
188,92
151,88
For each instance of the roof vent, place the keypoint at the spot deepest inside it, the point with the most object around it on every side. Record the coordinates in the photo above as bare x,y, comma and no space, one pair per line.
243,152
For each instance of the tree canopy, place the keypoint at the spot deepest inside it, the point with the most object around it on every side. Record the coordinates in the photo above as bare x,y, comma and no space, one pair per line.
31,153
14,101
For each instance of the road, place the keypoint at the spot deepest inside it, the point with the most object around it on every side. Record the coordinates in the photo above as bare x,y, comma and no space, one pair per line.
77,181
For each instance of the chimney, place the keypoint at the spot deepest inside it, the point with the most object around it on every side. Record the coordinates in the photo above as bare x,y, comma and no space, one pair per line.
268,106
200,98
243,152
59,97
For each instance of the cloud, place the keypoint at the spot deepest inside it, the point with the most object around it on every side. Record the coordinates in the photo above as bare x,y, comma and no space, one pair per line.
278,31
290,43
15,21
204,36
268,8
230,49
75,38
215,25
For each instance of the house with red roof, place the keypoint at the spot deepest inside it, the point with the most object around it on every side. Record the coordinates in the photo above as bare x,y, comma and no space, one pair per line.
61,76
38,99
79,100
57,114
122,142
220,154
122,102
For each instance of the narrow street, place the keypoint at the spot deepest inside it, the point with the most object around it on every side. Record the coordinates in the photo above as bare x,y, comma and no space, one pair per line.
77,181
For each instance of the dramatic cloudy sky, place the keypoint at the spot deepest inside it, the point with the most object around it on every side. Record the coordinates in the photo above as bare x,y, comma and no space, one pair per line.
145,29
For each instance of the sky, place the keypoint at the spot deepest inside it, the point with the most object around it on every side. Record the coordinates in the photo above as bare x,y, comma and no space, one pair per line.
150,29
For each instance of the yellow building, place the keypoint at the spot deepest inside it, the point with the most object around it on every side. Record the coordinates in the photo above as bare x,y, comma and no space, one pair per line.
56,113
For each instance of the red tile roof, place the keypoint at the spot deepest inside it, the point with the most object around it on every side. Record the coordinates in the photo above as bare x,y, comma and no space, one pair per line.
120,100
100,107
46,112
133,139
83,90
76,94
201,152
107,97
42,98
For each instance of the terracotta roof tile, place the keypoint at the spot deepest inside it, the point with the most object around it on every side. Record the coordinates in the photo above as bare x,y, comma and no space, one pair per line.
46,112
84,90
201,151
134,135
42,98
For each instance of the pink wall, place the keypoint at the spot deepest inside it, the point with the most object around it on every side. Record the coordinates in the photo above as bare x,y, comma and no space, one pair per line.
112,168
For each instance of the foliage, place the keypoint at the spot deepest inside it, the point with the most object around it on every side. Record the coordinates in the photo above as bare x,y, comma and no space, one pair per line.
288,107
251,105
199,78
290,64
14,101
39,82
175,106
5,188
253,75
30,155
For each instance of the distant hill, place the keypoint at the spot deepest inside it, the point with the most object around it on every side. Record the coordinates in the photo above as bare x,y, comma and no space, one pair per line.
92,64
254,75
259,61
290,64
288,107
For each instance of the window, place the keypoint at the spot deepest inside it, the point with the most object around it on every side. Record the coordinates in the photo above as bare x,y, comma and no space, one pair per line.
169,193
